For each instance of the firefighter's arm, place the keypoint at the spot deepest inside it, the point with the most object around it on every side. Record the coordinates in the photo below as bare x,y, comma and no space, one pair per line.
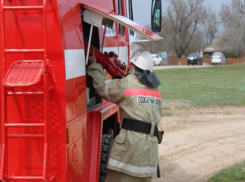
110,90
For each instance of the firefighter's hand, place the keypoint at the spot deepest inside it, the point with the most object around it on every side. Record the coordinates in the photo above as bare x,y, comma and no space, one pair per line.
92,59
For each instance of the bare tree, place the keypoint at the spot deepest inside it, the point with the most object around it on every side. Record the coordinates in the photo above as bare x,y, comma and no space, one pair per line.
181,23
210,28
187,27
196,43
233,19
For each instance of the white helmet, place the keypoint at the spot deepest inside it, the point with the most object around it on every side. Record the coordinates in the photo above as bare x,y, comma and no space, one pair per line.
141,57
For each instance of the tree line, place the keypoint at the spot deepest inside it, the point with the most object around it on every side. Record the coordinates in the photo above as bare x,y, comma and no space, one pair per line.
189,26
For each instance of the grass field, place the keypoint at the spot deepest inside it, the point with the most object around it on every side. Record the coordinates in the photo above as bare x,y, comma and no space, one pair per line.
209,86
234,174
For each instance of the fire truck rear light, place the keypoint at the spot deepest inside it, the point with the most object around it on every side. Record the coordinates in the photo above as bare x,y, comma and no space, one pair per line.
17,125
23,7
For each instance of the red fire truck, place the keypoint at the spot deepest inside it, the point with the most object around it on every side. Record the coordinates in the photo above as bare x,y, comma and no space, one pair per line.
52,119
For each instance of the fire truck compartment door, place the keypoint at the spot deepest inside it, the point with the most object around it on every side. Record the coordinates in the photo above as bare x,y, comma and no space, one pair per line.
125,22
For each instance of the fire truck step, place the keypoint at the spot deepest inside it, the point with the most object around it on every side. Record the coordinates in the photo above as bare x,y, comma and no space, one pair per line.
23,7
23,50
24,73
25,135
17,125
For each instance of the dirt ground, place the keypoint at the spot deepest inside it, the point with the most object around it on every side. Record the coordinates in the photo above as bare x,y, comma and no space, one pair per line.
199,142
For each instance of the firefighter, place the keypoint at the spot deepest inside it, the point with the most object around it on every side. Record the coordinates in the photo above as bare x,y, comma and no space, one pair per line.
134,155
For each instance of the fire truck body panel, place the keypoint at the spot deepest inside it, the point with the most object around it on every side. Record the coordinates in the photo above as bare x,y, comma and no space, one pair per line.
24,30
75,127
67,110
76,108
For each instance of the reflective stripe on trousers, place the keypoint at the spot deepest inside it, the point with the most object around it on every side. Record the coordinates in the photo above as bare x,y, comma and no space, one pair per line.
115,176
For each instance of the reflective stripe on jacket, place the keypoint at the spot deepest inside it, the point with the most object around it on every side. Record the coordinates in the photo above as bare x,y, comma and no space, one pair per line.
133,153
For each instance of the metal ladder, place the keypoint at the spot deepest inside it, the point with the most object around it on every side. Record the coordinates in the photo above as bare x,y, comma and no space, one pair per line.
12,79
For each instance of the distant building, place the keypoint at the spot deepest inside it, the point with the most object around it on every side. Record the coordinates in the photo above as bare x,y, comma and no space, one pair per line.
217,46
164,54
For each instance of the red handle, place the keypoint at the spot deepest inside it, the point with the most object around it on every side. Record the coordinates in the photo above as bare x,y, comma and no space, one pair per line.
109,62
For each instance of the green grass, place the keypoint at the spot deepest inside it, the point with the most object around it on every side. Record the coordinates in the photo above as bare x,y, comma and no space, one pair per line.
210,86
166,108
181,107
234,174
166,114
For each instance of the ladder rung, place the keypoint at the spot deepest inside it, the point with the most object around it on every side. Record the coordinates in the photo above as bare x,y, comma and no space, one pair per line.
24,93
24,178
23,50
17,125
23,7
29,93
25,135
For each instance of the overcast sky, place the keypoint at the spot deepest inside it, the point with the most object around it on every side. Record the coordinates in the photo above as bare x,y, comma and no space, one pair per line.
142,9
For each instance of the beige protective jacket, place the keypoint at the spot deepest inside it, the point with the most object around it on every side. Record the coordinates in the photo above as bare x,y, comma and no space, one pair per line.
133,153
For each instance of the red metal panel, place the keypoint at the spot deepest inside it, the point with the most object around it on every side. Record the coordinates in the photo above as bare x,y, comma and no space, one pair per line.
94,124
71,28
76,106
25,155
94,133
76,149
73,40
57,112
106,5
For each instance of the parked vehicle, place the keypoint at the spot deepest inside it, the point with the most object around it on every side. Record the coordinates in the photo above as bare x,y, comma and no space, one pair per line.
218,58
53,122
157,59
194,58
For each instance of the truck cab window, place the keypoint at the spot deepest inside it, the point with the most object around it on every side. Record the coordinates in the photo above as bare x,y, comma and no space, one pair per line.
130,14
120,12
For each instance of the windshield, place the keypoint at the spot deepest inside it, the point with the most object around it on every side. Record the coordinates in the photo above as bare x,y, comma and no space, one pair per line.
193,54
216,54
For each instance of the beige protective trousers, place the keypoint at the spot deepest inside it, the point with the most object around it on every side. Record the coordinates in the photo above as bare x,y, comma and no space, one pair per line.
115,176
